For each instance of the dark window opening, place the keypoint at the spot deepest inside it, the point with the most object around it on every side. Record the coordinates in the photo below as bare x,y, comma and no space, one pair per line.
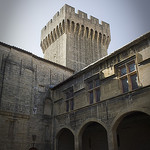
94,91
128,76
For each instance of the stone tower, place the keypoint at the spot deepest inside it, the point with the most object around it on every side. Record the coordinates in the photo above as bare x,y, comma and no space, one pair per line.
73,40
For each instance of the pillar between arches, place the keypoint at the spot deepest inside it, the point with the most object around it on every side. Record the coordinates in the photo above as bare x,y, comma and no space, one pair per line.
112,140
76,142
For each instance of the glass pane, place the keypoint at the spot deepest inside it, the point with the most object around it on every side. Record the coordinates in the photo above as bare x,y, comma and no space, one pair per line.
71,104
123,71
134,81
67,106
97,93
90,85
131,67
91,97
97,82
125,85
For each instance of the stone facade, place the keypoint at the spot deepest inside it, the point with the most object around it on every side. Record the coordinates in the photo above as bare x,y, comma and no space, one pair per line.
113,105
106,105
24,83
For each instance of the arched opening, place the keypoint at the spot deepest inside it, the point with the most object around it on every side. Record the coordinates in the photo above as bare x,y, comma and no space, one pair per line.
63,26
133,132
100,38
65,140
33,148
87,32
91,33
104,39
68,25
82,30
94,137
72,26
60,29
77,28
95,38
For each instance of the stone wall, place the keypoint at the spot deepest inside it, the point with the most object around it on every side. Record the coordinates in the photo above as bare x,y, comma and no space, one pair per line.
24,83
113,102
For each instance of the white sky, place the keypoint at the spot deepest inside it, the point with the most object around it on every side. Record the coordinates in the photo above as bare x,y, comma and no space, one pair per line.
21,21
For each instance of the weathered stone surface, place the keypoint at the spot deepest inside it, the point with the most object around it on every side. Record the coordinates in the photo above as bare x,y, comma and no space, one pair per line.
35,93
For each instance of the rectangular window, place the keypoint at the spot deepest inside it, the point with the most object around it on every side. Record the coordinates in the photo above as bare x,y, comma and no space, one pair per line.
91,97
67,106
69,99
97,94
123,71
134,81
71,104
90,85
131,67
94,91
125,85
128,76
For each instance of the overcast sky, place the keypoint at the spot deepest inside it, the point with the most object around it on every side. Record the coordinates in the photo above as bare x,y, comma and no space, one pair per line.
21,21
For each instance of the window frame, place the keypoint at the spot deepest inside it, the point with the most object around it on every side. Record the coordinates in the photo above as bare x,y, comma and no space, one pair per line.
69,94
95,87
128,75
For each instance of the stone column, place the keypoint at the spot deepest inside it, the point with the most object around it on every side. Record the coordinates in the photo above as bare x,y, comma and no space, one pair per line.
112,140
76,142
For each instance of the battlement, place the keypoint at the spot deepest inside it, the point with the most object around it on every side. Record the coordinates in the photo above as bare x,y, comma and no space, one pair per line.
68,12
68,21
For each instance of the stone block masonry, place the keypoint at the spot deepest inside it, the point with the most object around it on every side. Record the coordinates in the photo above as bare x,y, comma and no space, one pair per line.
24,83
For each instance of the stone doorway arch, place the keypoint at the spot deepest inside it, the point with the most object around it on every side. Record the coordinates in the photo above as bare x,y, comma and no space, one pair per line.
65,140
133,131
93,136
33,148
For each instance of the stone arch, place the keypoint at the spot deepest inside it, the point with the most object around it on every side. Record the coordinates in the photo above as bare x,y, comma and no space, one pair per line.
49,39
57,32
63,26
93,135
33,148
108,40
104,39
91,34
77,28
72,26
65,139
68,25
120,116
60,29
95,37
124,126
87,32
100,37
82,30
54,35
46,42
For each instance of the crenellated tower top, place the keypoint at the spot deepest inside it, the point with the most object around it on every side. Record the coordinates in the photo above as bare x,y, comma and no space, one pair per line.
69,31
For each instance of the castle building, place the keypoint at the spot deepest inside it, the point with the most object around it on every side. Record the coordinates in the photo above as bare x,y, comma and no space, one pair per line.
77,97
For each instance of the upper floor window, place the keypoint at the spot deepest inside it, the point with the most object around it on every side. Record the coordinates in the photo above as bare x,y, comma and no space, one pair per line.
94,91
69,100
128,76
